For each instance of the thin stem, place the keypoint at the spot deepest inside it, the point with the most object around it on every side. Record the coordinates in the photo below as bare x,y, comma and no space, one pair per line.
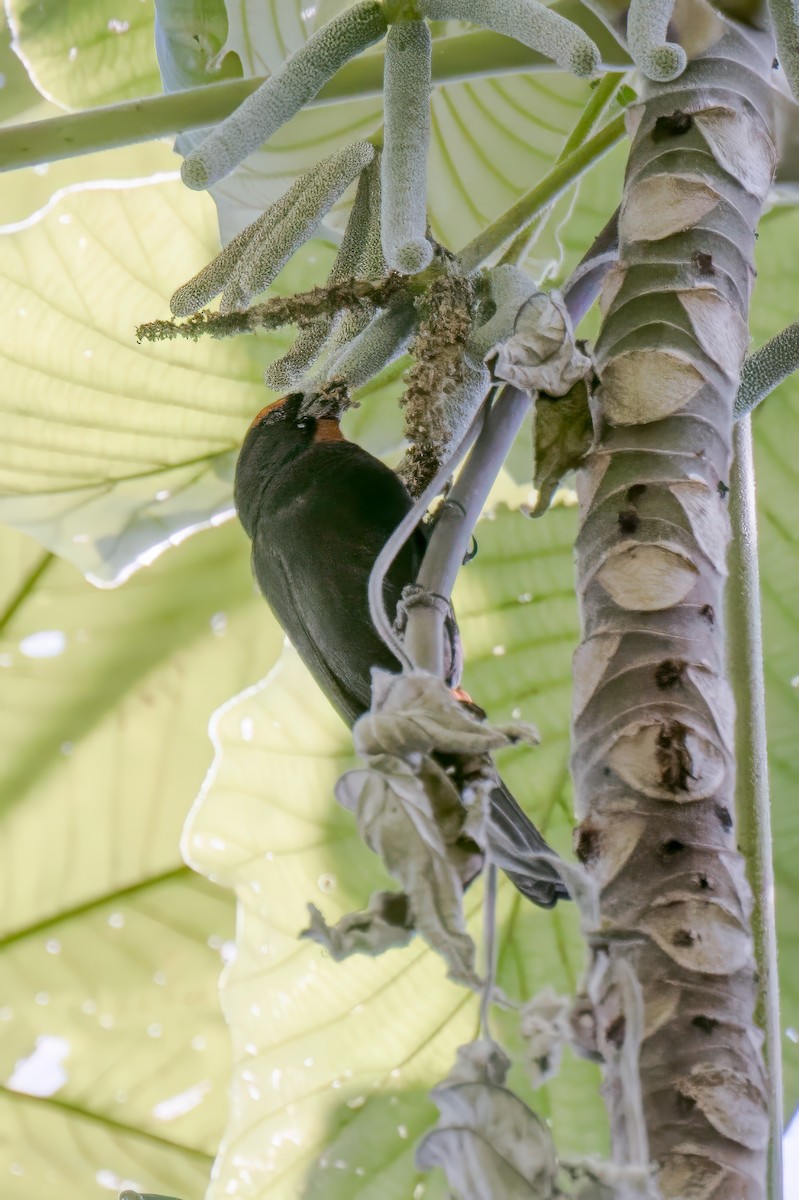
461,57
600,97
752,788
490,943
547,190
597,102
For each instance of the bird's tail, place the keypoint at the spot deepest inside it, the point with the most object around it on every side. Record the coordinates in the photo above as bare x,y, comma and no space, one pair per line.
518,849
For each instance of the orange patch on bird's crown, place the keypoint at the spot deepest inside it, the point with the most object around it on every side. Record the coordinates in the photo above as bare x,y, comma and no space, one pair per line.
269,408
328,430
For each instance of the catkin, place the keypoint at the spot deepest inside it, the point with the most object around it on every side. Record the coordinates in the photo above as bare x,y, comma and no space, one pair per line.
283,95
406,139
528,22
647,23
383,340
313,195
287,371
190,297
509,287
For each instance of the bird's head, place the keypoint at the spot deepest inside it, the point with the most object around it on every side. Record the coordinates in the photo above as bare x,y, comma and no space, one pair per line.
279,434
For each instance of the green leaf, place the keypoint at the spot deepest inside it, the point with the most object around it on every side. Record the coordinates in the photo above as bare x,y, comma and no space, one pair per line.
113,1056
81,53
334,1061
112,449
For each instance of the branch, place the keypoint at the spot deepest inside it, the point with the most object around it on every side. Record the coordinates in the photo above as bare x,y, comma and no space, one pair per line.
458,58
542,195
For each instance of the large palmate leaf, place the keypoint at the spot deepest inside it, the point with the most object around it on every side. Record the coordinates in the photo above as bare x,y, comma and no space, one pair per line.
114,1061
111,448
333,1061
81,53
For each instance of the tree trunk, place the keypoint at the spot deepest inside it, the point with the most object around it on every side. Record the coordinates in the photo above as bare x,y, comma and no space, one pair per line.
653,756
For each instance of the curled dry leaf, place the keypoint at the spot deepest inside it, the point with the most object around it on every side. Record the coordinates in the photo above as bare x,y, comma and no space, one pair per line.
542,355
415,836
487,1140
417,713
385,924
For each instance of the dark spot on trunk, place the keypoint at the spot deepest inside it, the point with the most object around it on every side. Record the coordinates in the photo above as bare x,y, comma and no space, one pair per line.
635,492
775,62
669,673
674,125
703,883
685,1104
683,937
673,758
628,520
616,1030
671,847
703,263
706,1024
706,611
722,489
586,843
396,911
724,815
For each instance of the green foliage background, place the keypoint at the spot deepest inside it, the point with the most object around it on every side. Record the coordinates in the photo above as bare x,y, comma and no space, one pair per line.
112,453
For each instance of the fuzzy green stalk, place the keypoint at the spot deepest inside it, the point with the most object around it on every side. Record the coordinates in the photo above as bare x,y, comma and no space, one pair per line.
509,287
528,22
406,140
767,368
286,372
384,339
284,93
270,249
752,802
647,23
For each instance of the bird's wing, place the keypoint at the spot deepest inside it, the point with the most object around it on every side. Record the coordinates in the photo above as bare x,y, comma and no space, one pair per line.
313,553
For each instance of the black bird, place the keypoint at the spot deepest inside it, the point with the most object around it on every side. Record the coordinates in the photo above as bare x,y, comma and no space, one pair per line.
318,510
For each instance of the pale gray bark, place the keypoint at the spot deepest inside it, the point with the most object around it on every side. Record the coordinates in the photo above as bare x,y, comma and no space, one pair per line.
653,733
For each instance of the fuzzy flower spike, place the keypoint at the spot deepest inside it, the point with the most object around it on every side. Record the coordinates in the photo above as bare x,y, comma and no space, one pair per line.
405,143
359,257
250,262
527,21
647,24
284,93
